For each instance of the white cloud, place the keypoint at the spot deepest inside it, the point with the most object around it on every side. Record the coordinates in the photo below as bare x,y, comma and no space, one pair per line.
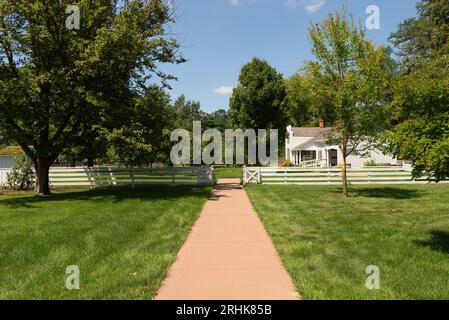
310,5
224,91
242,2
235,2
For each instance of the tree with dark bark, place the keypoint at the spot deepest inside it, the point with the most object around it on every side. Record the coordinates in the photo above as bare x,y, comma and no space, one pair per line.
57,80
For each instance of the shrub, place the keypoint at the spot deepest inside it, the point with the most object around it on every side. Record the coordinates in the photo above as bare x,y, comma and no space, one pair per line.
285,163
21,176
372,163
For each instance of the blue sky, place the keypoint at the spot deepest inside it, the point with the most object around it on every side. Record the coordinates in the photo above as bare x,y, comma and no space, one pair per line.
220,36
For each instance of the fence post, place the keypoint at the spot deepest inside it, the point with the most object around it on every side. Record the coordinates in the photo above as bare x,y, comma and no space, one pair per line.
245,180
259,176
212,175
89,173
173,176
131,172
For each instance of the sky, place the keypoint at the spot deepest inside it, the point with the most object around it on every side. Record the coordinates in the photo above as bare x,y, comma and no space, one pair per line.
219,36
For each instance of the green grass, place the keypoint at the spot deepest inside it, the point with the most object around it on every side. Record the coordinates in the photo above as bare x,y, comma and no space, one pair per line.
326,242
123,240
228,173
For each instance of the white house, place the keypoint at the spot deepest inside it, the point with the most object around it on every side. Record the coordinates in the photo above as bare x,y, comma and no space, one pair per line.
8,157
309,147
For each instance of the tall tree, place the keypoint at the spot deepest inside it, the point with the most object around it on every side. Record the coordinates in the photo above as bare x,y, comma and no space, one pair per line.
305,104
353,71
420,109
55,80
217,120
420,37
144,138
187,111
259,98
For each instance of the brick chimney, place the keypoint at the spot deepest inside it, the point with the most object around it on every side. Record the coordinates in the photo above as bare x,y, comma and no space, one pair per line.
321,123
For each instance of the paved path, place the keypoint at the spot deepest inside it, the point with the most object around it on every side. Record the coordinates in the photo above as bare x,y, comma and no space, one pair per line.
228,255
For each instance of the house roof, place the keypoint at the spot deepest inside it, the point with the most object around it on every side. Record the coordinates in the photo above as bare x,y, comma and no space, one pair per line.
11,150
316,134
312,132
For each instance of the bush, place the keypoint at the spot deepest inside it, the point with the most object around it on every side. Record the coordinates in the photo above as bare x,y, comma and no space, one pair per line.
285,163
372,163
21,176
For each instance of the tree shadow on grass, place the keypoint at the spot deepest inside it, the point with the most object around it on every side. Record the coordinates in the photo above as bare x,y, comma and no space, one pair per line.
113,193
387,192
439,241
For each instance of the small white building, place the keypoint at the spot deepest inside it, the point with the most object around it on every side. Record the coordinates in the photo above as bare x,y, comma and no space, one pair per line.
8,157
309,147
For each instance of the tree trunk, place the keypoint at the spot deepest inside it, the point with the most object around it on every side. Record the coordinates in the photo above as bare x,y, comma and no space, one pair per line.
90,162
344,177
42,177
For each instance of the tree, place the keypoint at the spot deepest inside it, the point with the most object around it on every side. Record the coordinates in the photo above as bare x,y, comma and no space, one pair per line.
420,109
355,73
259,98
305,105
217,120
145,138
55,80
419,38
186,112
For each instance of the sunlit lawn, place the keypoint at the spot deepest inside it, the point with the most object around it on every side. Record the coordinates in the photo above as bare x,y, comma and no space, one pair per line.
326,242
228,173
122,239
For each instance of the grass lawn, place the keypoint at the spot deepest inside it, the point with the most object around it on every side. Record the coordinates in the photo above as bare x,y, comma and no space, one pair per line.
326,242
123,240
228,173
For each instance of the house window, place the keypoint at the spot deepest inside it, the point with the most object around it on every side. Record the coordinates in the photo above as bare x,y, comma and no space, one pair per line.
308,155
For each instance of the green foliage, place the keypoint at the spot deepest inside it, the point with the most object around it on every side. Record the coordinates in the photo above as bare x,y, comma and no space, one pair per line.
425,142
419,38
420,109
306,105
187,111
355,75
145,138
217,120
57,84
372,163
21,176
258,101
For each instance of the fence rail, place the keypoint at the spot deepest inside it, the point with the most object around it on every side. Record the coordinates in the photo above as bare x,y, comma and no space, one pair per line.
126,176
331,176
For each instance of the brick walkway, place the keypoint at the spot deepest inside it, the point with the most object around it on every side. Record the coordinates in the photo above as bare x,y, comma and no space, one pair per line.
228,255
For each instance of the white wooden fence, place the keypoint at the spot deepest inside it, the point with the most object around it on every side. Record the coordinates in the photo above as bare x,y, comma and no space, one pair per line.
127,176
331,176
3,176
